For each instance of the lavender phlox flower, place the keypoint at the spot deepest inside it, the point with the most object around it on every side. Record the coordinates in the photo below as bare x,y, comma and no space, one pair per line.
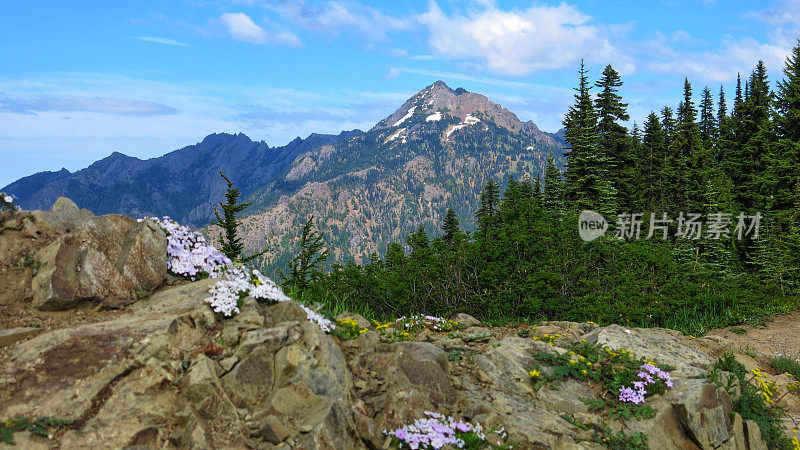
630,395
646,377
434,431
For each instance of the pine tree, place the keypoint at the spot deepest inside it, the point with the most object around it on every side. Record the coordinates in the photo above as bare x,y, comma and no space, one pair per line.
553,195
668,125
753,135
689,158
486,216
614,142
784,172
450,226
307,266
652,169
588,183
722,106
785,152
231,242
737,100
708,126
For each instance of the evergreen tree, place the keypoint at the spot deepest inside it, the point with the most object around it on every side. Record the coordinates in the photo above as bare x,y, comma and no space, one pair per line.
689,158
737,101
654,153
487,210
231,242
722,106
708,126
588,182
668,125
450,226
785,153
784,175
614,142
553,196
753,134
307,266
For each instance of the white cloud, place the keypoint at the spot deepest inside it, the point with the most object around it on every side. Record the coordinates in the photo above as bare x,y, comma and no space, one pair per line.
523,41
242,28
160,40
337,17
738,56
785,12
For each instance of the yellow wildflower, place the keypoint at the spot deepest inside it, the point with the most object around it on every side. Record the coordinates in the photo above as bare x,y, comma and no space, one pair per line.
534,373
584,372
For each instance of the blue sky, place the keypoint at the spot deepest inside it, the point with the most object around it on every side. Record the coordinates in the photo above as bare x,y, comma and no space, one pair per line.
81,79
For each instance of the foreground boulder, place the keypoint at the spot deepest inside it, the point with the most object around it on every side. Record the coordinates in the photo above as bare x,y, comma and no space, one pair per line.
67,257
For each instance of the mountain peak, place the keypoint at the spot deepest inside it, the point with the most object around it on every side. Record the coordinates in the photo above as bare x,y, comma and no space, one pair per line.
457,103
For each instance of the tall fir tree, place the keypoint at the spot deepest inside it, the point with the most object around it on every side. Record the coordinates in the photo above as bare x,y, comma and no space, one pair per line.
553,195
785,153
722,106
588,183
654,153
231,242
486,216
614,142
753,135
307,266
784,171
450,227
708,125
689,155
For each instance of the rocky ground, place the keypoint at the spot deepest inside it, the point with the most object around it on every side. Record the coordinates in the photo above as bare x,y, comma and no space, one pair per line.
160,370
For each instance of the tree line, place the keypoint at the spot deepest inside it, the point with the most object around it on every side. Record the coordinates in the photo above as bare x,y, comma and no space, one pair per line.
526,261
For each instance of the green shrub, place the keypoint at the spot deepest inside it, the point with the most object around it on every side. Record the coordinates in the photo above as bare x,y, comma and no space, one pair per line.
751,403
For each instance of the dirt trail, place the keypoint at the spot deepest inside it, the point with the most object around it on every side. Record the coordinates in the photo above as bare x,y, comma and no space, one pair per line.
780,337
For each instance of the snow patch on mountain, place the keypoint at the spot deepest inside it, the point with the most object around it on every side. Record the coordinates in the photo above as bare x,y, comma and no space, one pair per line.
469,120
395,135
434,117
404,118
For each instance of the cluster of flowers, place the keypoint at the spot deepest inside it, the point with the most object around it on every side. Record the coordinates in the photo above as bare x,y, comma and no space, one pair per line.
190,255
648,374
418,322
6,202
188,252
434,431
768,388
238,282
549,338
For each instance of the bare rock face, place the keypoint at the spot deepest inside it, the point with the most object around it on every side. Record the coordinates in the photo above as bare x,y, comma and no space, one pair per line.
76,258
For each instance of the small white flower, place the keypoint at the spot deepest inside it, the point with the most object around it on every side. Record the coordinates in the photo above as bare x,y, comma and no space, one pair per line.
8,199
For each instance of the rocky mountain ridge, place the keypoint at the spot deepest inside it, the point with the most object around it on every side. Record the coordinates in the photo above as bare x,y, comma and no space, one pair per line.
163,371
182,184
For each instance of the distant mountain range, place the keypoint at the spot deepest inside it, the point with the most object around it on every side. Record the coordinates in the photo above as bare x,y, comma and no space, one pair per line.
182,184
364,188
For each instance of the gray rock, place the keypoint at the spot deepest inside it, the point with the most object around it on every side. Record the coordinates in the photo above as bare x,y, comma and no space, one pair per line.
111,260
465,320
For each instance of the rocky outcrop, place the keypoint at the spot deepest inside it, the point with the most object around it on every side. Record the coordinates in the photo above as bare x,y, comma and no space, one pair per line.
69,257
167,373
